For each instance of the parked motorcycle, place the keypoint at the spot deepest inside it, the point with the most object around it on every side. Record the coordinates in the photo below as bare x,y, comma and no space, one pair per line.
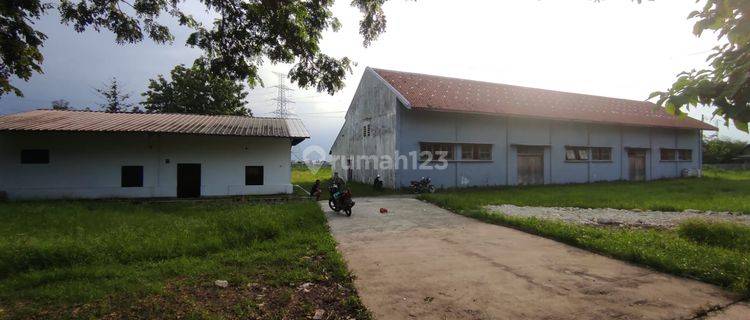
423,185
340,200
377,185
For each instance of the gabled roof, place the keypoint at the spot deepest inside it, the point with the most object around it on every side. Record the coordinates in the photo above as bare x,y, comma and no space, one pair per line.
95,121
436,93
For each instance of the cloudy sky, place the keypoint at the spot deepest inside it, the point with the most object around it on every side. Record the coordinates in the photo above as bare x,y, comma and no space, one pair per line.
614,48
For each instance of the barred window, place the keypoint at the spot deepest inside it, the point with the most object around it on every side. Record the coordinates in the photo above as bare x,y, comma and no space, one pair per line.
685,155
576,153
668,154
601,154
366,130
436,151
476,152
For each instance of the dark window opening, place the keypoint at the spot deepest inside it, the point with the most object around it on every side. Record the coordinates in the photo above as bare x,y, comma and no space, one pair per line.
685,155
668,154
253,175
35,156
601,154
132,176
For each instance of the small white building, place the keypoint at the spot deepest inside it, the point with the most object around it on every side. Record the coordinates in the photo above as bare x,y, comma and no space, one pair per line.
84,154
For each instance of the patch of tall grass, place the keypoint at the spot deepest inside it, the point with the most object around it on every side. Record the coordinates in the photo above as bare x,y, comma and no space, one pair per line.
74,252
719,234
716,191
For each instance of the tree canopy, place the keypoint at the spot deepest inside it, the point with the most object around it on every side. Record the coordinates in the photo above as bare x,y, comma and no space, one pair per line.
716,150
61,104
115,100
726,83
196,90
246,33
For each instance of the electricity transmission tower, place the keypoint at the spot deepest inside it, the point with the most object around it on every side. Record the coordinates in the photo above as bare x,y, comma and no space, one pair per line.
282,100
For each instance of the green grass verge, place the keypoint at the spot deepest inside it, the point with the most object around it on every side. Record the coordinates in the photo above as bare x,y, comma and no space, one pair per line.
304,177
662,250
720,234
62,254
716,191
716,253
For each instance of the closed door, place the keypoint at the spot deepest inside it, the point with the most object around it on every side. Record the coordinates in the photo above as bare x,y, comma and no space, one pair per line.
637,165
188,180
530,166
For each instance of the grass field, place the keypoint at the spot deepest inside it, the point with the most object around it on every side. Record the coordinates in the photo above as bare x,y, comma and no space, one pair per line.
86,259
716,253
716,191
304,177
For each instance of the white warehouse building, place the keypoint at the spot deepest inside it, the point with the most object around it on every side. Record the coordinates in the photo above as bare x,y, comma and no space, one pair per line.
84,154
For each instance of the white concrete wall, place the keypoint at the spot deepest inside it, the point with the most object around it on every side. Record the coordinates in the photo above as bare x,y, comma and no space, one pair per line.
374,103
504,134
88,165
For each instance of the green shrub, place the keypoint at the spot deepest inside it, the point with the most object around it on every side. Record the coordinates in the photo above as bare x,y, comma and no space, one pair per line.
720,234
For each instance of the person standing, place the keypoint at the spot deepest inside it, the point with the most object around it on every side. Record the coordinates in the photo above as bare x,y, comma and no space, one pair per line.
315,190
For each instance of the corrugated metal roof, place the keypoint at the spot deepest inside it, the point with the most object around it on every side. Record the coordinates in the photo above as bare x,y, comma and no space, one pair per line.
93,121
428,92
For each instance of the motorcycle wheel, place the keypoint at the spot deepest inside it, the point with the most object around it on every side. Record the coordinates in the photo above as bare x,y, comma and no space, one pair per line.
333,205
431,189
348,212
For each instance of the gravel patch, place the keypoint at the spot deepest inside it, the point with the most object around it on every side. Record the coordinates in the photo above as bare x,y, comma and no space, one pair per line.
616,217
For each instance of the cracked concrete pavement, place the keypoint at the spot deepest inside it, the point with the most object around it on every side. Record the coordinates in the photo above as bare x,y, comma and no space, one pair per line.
422,262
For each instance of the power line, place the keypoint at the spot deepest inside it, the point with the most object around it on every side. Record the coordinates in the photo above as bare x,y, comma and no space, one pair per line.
324,112
282,111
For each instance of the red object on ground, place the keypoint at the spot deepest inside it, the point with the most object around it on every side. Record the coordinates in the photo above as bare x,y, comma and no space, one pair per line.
383,210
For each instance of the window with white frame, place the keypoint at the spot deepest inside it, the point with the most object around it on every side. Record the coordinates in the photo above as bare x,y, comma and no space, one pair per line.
576,153
667,154
473,151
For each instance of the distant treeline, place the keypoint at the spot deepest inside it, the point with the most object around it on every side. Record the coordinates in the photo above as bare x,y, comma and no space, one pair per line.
716,150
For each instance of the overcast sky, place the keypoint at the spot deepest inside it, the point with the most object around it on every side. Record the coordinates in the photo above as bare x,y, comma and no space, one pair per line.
615,48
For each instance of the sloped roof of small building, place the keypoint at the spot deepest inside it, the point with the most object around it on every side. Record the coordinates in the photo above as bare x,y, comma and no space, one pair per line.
95,121
428,92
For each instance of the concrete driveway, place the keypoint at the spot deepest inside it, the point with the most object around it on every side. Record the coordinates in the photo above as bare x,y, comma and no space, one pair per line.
422,262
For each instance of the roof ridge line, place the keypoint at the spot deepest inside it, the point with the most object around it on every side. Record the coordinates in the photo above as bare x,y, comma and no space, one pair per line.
512,85
154,113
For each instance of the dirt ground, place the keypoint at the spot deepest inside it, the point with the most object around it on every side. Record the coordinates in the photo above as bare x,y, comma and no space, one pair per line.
419,261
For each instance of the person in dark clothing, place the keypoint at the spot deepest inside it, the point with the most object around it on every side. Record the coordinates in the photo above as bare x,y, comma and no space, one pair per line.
315,190
340,183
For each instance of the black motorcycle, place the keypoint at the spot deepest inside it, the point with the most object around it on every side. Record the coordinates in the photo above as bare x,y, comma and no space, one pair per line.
423,185
340,200
377,185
